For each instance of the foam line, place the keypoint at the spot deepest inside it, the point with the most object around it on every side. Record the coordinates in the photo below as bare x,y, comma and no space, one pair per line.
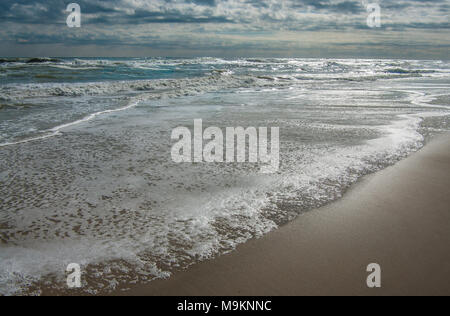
56,130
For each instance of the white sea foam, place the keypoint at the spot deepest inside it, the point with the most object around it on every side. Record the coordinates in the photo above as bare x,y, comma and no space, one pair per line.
110,199
194,221
169,88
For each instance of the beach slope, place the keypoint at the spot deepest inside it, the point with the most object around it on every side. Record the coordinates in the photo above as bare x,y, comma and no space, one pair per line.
398,218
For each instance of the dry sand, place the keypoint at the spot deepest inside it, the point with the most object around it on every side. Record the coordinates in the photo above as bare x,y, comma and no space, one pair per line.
398,218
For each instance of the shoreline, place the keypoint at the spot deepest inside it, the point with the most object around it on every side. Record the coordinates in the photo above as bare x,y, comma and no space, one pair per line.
398,217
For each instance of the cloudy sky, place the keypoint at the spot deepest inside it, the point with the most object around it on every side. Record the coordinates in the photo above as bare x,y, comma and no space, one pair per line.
285,28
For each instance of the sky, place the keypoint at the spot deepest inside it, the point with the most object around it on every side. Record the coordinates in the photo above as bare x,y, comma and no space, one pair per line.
412,29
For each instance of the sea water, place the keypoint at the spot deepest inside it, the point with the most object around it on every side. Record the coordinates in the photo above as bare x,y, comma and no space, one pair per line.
86,174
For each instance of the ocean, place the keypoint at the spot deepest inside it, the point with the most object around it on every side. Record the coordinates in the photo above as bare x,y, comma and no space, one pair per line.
86,174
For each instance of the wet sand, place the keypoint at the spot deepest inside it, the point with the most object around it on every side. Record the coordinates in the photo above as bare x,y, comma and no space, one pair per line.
398,218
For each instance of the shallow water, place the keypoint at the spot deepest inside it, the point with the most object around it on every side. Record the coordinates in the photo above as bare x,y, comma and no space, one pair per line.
86,174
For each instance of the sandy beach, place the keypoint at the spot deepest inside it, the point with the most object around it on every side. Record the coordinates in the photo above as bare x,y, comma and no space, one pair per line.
398,218
224,148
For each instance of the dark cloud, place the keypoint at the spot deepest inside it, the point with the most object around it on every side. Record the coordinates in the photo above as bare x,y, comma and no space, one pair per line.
327,5
229,24
118,11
